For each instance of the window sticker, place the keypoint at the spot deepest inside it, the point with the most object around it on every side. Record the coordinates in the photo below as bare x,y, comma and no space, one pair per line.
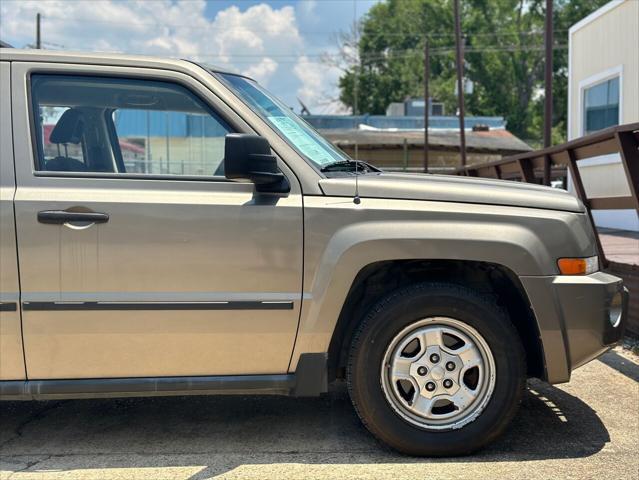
302,140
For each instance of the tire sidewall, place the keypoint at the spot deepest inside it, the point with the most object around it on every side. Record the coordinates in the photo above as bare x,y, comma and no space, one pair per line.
389,318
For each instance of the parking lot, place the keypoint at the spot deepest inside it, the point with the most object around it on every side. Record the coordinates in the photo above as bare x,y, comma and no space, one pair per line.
588,428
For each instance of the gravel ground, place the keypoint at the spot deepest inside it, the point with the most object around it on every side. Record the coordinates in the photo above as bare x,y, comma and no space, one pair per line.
588,428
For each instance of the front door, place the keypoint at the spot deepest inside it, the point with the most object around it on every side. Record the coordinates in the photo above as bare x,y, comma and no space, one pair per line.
137,257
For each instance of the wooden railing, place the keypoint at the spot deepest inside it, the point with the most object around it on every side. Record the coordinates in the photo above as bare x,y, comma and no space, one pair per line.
542,166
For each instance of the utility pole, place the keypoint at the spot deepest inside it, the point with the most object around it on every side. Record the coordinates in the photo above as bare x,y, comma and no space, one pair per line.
38,42
460,90
426,102
357,74
548,76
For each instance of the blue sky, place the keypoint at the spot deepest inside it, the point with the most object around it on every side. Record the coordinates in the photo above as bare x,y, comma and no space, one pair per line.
279,42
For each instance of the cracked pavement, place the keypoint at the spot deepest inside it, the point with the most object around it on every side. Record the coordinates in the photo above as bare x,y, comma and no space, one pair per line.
585,429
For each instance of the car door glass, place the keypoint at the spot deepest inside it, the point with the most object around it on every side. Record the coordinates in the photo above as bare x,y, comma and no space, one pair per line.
125,126
170,142
53,151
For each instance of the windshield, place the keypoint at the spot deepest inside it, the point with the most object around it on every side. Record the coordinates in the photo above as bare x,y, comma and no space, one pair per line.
295,131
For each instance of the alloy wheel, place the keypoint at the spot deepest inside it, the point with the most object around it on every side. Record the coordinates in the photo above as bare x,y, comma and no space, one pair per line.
438,373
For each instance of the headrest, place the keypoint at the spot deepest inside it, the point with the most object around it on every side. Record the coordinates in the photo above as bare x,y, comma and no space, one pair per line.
69,128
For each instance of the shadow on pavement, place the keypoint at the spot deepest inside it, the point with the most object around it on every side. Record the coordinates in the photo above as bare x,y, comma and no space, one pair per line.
161,432
621,364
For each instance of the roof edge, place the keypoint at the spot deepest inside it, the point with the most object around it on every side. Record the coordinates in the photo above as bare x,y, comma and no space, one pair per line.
100,58
601,11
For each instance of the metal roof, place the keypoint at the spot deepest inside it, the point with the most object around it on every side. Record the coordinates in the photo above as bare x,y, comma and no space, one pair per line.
500,141
342,122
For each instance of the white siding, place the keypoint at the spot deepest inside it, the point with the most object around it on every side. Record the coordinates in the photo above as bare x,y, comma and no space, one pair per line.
604,45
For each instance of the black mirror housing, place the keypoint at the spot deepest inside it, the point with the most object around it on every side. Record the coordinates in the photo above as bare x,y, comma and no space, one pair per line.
248,157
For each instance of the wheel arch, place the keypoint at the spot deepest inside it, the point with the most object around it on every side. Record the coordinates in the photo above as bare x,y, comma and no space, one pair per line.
378,279
359,250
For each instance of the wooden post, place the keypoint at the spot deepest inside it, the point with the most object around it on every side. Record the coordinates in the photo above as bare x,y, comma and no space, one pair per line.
405,154
548,74
629,150
460,89
571,160
547,168
426,102
38,42
526,170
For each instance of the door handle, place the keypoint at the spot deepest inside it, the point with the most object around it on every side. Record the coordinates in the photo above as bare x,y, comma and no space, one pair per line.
62,216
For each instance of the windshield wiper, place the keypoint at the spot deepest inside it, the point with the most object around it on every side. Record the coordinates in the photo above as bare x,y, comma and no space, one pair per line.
350,166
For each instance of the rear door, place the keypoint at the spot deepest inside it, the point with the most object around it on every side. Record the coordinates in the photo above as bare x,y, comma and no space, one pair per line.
11,357
160,266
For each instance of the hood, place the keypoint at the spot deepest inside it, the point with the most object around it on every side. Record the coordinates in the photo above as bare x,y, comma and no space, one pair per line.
452,188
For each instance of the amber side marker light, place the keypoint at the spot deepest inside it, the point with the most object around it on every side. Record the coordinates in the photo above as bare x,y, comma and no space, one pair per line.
578,266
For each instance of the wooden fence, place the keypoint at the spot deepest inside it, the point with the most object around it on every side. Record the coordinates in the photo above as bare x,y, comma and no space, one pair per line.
542,166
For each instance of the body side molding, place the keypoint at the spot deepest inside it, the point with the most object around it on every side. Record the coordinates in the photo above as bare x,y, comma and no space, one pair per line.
8,306
222,305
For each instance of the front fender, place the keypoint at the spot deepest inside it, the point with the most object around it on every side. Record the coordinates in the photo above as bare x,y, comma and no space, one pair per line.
526,241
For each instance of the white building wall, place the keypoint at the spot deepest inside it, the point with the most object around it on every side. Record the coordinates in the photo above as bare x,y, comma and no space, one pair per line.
602,46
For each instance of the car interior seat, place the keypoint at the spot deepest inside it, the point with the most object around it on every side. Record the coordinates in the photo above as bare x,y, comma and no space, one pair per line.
69,129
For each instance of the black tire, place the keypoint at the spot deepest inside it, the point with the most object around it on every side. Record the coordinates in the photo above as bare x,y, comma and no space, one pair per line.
411,304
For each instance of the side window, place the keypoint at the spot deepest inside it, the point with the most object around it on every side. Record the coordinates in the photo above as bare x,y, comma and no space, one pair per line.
95,124
601,105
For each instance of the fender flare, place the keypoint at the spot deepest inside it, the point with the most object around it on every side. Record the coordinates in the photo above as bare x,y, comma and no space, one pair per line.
357,245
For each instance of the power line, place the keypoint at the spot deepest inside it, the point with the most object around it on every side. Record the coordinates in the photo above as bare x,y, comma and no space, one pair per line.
85,21
284,59
383,55
389,54
466,34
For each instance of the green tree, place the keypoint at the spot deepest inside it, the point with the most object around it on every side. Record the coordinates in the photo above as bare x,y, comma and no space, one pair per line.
504,58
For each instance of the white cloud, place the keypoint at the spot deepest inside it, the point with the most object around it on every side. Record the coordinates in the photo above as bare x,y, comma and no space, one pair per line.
245,39
261,41
262,71
307,8
318,85
233,38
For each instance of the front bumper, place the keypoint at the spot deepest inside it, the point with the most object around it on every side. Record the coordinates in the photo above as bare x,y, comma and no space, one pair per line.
579,318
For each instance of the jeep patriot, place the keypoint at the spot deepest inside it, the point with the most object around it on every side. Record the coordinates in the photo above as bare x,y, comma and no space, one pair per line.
171,228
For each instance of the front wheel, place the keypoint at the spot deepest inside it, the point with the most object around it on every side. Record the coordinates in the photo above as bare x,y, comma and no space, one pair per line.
436,369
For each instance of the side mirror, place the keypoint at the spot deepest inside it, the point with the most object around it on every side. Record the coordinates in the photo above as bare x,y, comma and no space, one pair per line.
248,157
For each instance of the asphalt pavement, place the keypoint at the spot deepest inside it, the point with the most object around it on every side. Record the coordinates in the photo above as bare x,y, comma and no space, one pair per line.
588,428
